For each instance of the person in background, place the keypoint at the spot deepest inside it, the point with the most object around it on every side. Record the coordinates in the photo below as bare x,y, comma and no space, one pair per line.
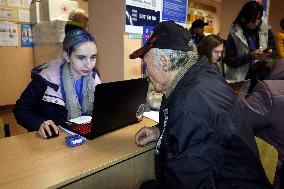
63,89
212,47
77,20
250,44
201,141
264,111
197,30
280,40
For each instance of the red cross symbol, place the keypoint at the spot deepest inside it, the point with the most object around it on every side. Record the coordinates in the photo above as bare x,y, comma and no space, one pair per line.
64,8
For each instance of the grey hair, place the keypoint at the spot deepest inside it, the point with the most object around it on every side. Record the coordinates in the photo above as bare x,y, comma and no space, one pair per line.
178,58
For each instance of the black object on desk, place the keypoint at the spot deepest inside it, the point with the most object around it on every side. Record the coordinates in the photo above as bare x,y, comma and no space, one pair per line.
115,106
53,133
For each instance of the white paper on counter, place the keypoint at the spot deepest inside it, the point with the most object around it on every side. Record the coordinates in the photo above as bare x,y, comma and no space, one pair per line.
154,115
81,120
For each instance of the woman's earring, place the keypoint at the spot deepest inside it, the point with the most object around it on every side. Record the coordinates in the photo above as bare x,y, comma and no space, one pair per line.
66,57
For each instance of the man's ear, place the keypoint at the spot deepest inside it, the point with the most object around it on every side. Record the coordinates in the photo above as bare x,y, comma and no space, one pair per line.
66,56
166,62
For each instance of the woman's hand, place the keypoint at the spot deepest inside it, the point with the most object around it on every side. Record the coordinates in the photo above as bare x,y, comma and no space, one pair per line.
146,135
258,54
45,126
268,52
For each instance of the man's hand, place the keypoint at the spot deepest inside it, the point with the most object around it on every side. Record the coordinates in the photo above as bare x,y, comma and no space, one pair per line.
146,135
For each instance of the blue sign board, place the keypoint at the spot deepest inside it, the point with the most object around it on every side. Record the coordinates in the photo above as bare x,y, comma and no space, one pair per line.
147,31
26,35
175,10
136,16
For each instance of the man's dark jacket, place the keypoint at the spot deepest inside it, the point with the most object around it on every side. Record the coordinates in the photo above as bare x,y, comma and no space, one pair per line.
196,38
204,144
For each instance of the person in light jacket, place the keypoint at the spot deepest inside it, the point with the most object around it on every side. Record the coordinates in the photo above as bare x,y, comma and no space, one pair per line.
280,40
250,42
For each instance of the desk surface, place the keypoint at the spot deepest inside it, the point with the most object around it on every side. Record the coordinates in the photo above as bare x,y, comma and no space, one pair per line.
28,161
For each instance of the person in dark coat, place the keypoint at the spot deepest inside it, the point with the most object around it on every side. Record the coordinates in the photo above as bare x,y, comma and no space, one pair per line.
63,89
265,107
201,141
197,30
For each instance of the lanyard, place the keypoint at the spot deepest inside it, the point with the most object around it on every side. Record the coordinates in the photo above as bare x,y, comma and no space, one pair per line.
62,86
251,44
78,92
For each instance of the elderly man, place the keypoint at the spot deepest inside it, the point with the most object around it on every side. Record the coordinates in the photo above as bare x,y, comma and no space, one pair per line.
200,139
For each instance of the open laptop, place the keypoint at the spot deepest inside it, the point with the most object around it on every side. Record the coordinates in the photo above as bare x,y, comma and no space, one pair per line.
115,106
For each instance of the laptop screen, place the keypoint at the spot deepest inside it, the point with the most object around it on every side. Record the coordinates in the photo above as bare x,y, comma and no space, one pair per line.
115,106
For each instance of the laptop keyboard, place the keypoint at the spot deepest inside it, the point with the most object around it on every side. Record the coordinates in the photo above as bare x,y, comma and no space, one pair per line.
83,128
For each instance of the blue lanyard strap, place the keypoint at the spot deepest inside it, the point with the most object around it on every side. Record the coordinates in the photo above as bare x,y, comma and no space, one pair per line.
78,92
62,86
251,44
